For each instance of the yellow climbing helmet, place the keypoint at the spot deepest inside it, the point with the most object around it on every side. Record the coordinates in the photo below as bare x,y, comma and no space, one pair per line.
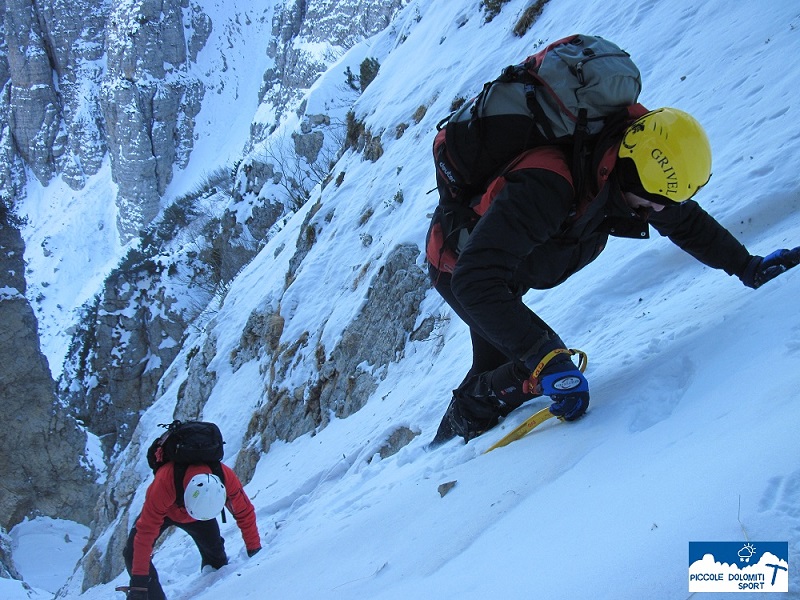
671,153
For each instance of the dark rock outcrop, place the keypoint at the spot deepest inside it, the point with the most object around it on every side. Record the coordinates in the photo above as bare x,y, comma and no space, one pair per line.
42,448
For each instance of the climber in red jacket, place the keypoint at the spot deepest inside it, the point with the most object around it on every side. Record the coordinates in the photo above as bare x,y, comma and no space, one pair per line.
204,498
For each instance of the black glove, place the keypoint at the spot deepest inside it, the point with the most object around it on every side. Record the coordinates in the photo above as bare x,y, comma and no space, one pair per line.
761,269
253,552
138,587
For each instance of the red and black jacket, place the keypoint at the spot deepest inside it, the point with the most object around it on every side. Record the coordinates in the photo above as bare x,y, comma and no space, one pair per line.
159,504
529,233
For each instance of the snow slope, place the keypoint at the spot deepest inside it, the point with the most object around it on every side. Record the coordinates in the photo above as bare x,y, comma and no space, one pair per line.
691,431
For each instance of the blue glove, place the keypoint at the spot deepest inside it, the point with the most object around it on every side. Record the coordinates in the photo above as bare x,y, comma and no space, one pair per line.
568,388
760,270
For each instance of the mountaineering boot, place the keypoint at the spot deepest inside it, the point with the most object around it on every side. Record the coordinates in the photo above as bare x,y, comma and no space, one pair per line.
457,422
480,401
446,431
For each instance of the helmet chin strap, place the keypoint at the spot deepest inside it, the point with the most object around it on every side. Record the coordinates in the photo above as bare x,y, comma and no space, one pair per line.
638,203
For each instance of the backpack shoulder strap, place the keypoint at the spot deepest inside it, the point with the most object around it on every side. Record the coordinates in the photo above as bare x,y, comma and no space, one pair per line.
179,472
216,469
548,158
180,475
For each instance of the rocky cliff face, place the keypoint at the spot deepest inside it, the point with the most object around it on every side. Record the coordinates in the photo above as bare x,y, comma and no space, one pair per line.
42,447
132,331
82,83
35,116
88,79
342,383
54,49
305,24
149,101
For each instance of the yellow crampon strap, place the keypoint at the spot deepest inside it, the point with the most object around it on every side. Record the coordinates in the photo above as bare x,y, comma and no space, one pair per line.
524,428
544,414
583,359
583,362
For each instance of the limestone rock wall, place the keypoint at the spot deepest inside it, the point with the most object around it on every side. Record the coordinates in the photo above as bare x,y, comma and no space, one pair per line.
42,447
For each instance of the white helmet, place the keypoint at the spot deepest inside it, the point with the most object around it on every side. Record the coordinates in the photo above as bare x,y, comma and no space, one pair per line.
204,497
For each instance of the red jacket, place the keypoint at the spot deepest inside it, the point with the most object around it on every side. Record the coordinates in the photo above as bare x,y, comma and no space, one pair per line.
159,504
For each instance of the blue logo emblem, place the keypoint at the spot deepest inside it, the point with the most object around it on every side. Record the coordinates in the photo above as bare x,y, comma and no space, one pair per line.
738,567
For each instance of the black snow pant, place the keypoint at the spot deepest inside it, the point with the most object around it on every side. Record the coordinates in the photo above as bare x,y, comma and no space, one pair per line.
206,537
491,368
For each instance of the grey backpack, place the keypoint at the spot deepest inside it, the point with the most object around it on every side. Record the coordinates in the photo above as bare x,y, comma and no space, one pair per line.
564,94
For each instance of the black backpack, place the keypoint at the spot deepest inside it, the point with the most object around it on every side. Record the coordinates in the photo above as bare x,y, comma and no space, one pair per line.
563,95
187,443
